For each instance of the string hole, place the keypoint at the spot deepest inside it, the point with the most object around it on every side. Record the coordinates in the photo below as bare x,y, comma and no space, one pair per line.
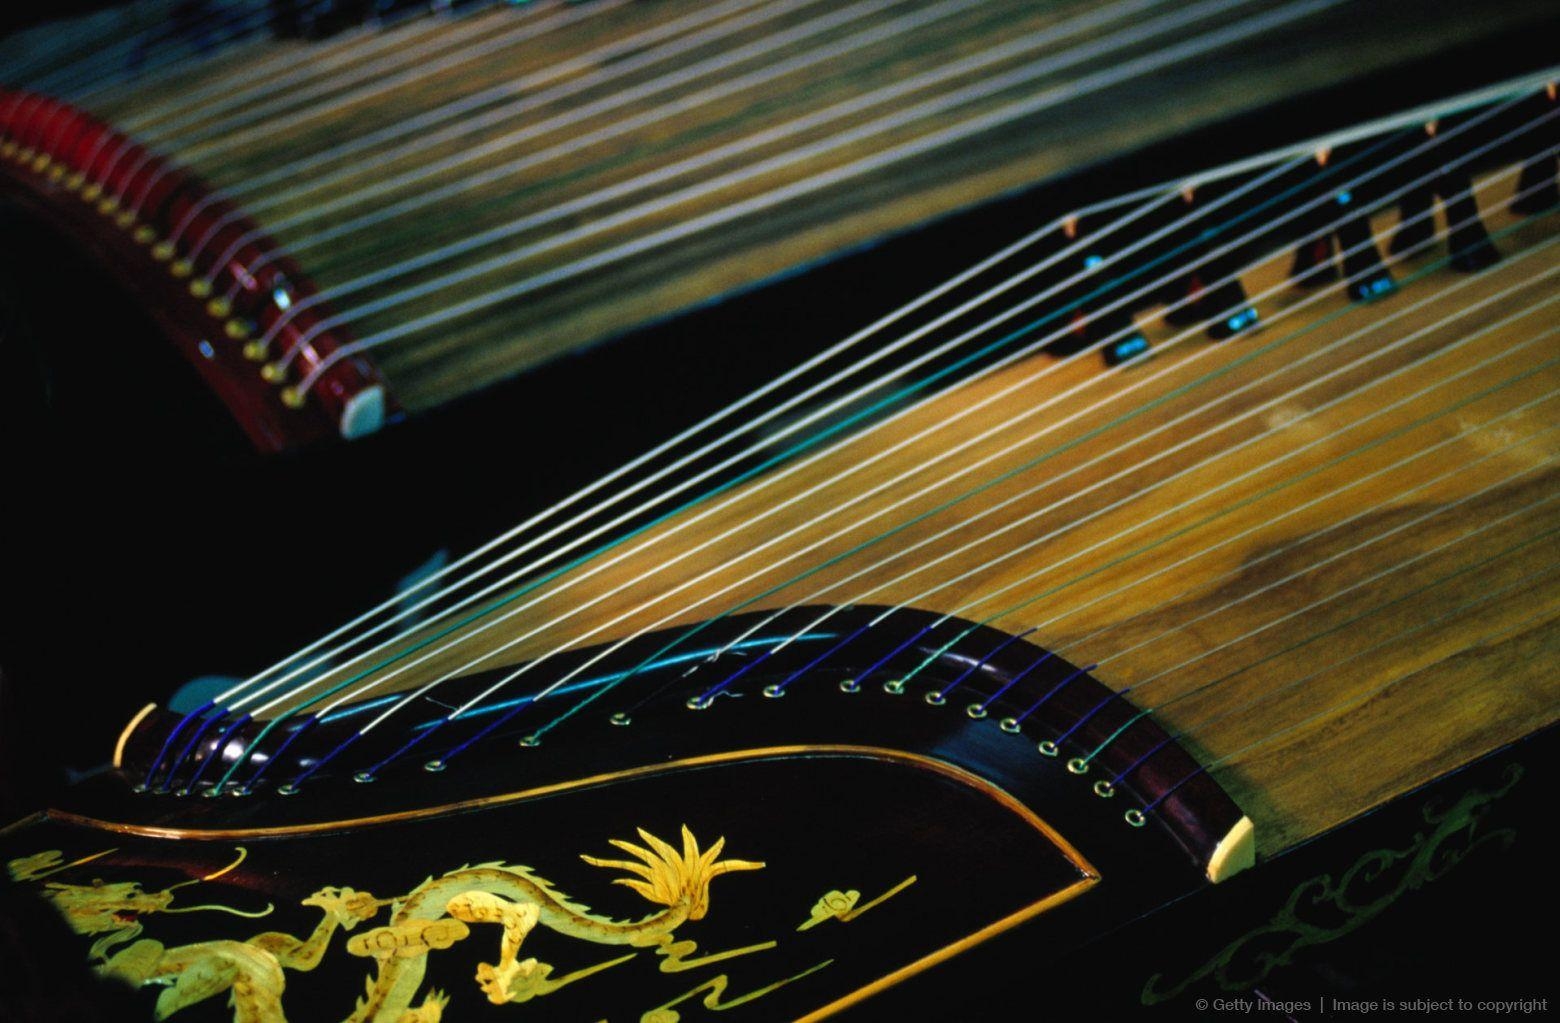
181,793
1009,725
621,719
976,711
1047,748
363,777
138,787
1104,789
1078,765
212,793
894,686
240,790
287,789
697,703
531,741
435,766
1135,818
849,685
774,691
936,699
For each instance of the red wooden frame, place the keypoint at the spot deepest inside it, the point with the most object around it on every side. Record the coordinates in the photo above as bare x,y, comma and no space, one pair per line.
124,203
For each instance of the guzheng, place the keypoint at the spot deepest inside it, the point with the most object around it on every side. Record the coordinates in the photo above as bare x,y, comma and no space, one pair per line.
947,631
335,230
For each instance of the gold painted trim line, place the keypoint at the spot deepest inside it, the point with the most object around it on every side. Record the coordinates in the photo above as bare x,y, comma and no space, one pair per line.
522,795
1090,876
124,736
947,952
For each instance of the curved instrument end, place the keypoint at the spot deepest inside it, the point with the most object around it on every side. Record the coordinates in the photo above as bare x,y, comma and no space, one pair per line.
1236,851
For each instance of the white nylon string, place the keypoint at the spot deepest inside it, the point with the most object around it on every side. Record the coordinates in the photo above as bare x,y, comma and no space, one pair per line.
573,142
822,413
108,63
871,329
524,92
704,425
257,121
805,186
1193,415
396,65
639,581
1382,687
1374,577
700,162
1365,511
282,70
923,492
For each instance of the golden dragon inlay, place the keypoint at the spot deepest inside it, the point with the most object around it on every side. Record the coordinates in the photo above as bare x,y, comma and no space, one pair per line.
431,917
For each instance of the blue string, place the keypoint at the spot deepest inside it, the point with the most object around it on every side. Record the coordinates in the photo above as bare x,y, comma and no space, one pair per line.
1085,719
200,733
405,747
308,772
810,665
1054,690
972,669
151,772
216,752
1140,760
308,723
1015,680
901,648
719,687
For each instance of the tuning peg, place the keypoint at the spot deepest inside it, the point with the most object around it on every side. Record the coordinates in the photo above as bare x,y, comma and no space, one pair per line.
1466,237
1362,266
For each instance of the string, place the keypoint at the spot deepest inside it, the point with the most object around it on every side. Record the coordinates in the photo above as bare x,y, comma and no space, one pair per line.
1229,676
261,120
776,460
302,174
1284,549
502,682
730,410
1336,708
1163,453
391,63
875,357
701,161
703,701
1176,534
79,77
695,629
612,67
269,74
968,128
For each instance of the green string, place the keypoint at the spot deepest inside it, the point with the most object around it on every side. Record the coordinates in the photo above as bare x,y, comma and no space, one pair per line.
784,456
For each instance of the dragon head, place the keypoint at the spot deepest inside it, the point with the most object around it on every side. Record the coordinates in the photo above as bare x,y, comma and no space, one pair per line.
668,877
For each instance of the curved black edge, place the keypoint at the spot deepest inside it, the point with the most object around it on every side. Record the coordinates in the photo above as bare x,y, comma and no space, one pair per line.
1065,705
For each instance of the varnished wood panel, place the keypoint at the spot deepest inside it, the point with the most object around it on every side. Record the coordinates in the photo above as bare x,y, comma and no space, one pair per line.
1321,553
376,90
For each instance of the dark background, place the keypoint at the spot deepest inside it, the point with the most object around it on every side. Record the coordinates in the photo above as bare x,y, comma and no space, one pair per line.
142,542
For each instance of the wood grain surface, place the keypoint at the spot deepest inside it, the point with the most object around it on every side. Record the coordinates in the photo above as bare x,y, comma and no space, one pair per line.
1322,553
605,129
